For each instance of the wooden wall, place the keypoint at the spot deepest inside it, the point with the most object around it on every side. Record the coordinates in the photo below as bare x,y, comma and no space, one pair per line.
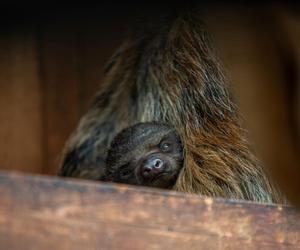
49,70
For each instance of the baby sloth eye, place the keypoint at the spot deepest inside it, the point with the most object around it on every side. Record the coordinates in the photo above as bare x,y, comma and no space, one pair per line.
165,146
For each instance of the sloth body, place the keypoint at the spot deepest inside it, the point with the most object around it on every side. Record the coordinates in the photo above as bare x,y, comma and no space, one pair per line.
170,73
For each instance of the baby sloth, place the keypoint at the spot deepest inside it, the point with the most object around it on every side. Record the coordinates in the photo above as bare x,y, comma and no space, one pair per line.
147,154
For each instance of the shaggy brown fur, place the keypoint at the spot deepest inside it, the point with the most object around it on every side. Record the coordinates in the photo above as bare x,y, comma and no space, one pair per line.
171,74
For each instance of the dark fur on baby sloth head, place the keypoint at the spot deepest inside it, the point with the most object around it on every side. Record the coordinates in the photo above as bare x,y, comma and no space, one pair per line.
148,154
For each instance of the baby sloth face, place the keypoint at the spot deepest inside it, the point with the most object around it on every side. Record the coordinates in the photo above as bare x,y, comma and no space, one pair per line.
148,154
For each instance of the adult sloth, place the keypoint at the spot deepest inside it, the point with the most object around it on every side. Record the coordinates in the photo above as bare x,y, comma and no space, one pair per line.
170,73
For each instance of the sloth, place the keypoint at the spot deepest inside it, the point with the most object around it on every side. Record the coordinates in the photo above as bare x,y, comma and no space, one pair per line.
169,72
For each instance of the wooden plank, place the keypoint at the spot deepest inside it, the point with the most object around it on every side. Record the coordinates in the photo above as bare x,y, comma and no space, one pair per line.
20,102
52,213
72,57
60,62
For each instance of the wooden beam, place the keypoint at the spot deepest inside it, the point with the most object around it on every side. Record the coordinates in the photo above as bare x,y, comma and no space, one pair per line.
21,146
72,56
52,213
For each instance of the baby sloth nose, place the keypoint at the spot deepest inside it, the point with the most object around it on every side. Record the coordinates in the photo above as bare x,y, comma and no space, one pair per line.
152,167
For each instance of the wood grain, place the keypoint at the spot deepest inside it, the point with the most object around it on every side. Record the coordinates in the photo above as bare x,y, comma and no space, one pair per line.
50,68
72,56
51,213
20,103
59,53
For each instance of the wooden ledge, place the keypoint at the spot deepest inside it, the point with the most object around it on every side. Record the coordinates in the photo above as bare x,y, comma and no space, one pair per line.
39,212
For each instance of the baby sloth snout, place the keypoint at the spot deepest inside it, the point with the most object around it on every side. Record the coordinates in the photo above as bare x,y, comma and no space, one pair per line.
152,167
